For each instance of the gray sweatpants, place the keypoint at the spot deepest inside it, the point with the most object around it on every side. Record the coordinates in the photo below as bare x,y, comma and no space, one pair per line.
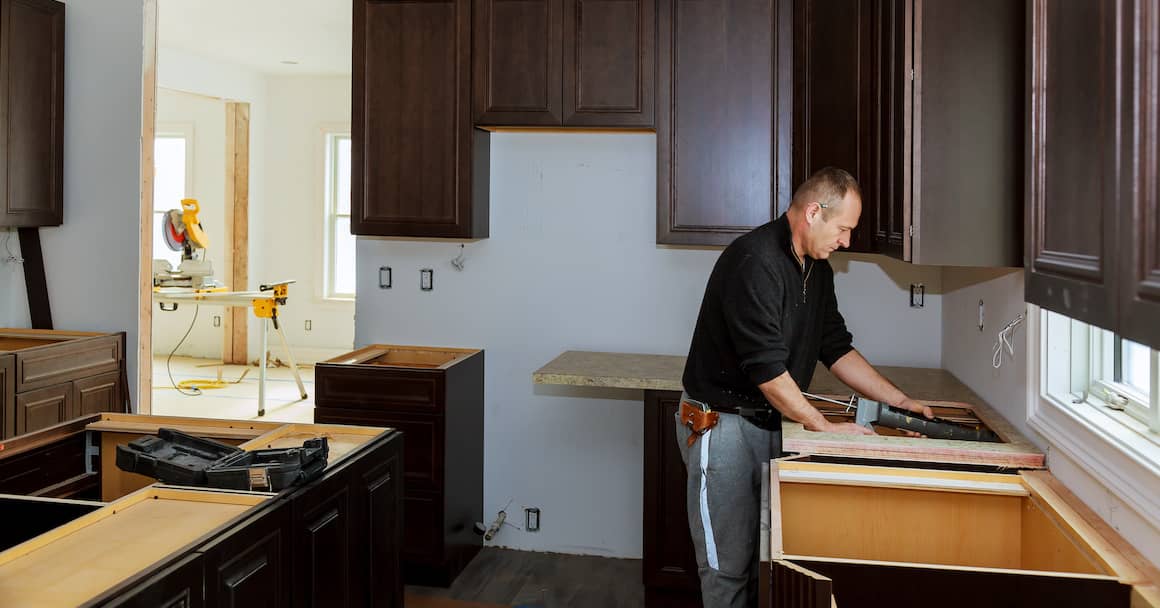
723,499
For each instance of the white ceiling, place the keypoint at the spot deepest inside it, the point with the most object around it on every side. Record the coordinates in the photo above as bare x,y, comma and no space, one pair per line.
261,34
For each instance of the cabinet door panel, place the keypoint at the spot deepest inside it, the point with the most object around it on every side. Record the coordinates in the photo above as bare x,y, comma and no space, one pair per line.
1140,212
378,490
43,408
97,394
7,396
423,528
1072,139
835,100
890,213
178,586
517,62
32,110
418,166
723,118
609,62
246,567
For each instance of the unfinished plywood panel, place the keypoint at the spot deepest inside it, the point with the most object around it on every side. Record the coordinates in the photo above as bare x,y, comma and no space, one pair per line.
887,524
81,559
1046,546
341,439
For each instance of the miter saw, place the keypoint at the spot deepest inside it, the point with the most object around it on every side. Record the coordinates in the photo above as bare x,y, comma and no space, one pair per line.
181,231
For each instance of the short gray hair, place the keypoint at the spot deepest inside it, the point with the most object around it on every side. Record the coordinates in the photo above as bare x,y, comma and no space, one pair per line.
827,186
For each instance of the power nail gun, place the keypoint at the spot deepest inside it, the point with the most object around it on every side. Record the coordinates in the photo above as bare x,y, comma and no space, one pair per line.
870,412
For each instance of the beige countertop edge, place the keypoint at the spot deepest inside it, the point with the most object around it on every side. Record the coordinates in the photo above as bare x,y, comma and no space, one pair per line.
639,371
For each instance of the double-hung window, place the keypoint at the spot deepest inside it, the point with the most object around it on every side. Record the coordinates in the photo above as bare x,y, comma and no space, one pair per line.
340,243
1094,397
172,175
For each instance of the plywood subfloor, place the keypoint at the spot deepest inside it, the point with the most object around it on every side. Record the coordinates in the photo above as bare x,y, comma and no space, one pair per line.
236,401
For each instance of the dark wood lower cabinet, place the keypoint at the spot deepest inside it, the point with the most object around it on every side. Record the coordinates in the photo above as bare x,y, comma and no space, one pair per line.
48,377
434,396
333,543
247,567
669,561
177,586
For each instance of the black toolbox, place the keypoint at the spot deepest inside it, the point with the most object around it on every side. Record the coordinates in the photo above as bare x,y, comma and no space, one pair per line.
269,470
172,457
179,458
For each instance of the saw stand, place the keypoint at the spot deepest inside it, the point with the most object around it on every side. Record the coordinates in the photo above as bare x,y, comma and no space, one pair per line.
265,303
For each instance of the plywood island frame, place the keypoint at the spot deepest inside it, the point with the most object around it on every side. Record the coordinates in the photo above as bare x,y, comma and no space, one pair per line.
853,535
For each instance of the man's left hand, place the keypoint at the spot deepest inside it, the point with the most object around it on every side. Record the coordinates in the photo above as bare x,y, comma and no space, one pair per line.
916,407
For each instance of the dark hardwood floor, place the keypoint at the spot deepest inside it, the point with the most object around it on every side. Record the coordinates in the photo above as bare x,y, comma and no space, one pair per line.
548,580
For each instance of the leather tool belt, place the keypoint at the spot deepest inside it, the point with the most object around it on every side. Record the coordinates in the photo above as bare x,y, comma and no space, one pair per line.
698,421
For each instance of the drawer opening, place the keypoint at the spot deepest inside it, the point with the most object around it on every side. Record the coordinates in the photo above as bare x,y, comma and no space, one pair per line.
418,357
10,343
952,527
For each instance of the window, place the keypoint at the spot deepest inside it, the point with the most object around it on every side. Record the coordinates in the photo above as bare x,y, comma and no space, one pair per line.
170,185
1093,396
1089,367
340,256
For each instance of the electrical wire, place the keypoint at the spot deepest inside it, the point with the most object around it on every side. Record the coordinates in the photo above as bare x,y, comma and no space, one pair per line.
12,257
194,391
1003,342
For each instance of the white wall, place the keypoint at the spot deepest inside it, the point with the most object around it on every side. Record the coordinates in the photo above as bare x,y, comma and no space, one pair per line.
13,296
967,355
204,121
91,260
967,352
572,263
301,109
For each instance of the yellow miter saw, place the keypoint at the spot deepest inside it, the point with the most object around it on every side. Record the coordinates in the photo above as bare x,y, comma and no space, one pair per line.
182,231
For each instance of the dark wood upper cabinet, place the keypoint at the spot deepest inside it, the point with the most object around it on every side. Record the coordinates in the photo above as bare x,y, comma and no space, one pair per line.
1139,212
517,59
32,112
836,97
724,106
564,62
1072,159
419,168
922,101
965,173
609,62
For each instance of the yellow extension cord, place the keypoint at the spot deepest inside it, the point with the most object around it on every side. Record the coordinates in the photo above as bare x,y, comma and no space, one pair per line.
198,384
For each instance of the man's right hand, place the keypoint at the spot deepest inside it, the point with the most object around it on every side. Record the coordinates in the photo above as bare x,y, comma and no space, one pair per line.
848,428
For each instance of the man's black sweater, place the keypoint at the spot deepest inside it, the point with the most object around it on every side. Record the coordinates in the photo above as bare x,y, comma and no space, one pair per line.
762,315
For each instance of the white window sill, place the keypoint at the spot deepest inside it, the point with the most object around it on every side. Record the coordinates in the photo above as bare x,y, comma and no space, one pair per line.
1111,446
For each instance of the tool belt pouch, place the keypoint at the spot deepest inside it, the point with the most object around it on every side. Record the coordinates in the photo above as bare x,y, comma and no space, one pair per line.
697,420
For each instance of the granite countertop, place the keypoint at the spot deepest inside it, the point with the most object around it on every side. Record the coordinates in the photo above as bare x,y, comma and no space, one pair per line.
663,372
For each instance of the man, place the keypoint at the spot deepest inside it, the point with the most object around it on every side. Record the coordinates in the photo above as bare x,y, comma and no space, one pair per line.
768,316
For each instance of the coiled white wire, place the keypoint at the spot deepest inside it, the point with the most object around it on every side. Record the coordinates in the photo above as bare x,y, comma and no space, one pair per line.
1004,342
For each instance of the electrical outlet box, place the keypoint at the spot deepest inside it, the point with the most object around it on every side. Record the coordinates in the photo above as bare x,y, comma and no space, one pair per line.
426,279
309,324
384,277
217,321
917,295
532,519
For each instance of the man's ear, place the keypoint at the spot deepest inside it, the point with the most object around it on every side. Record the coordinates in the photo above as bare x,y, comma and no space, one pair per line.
812,211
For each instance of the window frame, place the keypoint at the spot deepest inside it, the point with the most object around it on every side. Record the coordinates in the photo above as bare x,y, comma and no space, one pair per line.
173,130
332,135
1112,446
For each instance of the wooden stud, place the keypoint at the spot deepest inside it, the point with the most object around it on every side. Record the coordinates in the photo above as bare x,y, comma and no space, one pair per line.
235,349
145,267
